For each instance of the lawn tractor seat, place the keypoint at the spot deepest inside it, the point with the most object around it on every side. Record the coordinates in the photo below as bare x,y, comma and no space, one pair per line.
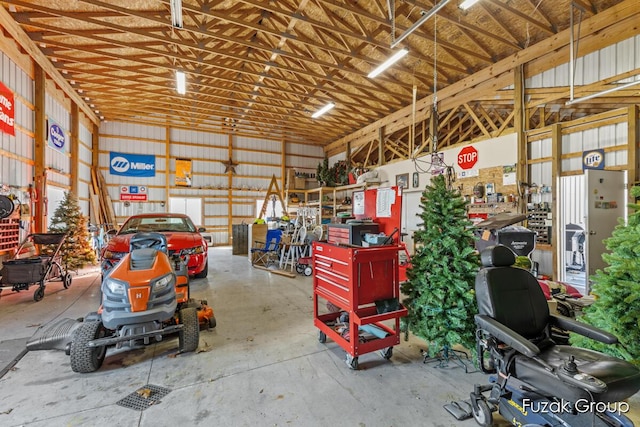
514,327
144,248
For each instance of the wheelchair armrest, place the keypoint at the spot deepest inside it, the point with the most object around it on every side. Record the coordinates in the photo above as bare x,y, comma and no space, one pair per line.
507,336
583,329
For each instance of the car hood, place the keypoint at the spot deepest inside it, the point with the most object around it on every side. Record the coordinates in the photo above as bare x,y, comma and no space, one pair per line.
175,241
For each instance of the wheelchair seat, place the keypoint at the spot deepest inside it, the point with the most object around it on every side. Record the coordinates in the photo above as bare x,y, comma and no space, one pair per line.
514,317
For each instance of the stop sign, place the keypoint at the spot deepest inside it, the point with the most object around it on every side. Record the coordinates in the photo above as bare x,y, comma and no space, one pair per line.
467,157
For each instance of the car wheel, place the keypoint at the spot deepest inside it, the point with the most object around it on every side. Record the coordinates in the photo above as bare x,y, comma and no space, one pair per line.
204,272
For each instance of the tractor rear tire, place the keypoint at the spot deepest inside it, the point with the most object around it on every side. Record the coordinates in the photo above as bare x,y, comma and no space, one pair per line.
85,359
189,337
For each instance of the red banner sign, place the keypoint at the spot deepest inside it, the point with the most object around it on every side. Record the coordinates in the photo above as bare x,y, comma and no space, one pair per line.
7,112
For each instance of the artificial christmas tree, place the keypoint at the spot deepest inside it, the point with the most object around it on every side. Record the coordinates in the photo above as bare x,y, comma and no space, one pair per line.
76,251
440,293
617,291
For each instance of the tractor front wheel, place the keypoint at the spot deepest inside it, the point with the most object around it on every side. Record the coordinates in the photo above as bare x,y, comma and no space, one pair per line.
189,337
85,359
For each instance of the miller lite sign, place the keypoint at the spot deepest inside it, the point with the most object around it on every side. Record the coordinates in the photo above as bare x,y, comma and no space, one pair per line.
593,159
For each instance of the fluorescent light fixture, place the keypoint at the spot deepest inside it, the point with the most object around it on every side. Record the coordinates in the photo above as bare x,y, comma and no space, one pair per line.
388,63
181,82
323,110
466,4
176,13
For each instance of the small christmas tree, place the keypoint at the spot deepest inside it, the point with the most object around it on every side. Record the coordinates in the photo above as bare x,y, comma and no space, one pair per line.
617,290
76,251
440,290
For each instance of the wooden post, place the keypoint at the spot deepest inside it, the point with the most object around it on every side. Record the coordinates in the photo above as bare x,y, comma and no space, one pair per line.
556,171
40,173
75,148
381,146
230,192
167,172
634,142
522,169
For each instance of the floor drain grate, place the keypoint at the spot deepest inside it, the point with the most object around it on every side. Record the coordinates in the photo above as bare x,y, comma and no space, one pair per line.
144,397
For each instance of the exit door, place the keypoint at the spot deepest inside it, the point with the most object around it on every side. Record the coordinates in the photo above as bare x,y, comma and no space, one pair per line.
589,208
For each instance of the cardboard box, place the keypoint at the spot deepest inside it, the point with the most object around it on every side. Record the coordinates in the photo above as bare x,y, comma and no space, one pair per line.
299,183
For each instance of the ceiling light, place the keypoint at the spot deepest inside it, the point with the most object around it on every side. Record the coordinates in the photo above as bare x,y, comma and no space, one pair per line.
388,63
466,4
323,110
181,82
176,13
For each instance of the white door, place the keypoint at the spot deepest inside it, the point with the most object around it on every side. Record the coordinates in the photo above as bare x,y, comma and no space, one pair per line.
191,206
606,200
588,211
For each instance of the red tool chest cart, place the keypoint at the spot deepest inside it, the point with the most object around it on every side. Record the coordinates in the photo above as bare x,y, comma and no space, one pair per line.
361,282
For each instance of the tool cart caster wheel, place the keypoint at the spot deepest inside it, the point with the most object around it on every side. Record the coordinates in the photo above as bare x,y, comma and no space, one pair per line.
387,353
66,280
300,268
308,271
483,416
38,294
322,337
212,323
352,362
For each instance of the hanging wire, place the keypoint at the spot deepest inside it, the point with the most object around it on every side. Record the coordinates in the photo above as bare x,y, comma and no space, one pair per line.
436,164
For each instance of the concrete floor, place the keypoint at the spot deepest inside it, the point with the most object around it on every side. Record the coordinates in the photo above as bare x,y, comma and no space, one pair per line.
261,366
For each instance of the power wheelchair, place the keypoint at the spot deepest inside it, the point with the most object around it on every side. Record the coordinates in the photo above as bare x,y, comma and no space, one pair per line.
534,381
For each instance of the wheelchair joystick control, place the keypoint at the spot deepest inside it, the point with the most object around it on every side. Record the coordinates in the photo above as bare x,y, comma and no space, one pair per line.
570,366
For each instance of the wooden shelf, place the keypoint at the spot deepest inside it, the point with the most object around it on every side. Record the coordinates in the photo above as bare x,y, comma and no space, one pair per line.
9,234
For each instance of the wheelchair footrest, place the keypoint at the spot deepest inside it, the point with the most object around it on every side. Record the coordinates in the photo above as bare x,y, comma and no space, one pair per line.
461,409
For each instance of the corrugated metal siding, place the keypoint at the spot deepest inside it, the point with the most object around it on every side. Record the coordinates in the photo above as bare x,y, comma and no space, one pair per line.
607,62
258,160
84,168
59,163
134,139
613,135
16,173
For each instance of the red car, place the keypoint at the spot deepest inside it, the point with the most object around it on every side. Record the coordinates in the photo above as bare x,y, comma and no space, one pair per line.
181,234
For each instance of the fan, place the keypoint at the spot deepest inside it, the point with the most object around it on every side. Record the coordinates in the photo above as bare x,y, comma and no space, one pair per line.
478,190
6,207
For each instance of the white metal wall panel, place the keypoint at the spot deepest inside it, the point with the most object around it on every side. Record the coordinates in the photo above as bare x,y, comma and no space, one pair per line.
254,143
134,139
625,52
132,130
133,146
607,62
15,172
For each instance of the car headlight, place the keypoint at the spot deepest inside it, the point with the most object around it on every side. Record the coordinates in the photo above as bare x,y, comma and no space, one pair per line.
195,250
163,282
116,287
113,255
